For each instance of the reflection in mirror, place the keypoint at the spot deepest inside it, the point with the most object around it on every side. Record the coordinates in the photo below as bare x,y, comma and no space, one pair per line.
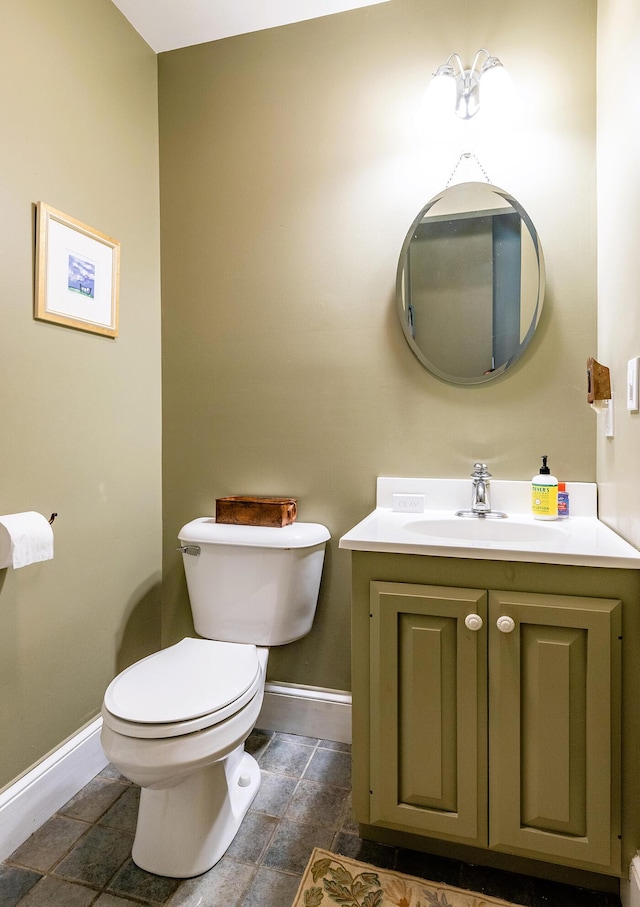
470,283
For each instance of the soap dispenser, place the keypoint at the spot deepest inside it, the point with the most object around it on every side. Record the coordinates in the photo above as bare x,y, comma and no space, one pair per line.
544,494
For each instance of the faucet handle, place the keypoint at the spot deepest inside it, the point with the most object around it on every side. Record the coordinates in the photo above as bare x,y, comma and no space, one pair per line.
480,471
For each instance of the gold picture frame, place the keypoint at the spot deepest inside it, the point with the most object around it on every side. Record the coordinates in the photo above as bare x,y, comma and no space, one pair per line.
77,274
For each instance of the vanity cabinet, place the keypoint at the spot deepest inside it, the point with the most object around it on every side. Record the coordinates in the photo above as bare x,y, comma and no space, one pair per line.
527,684
489,715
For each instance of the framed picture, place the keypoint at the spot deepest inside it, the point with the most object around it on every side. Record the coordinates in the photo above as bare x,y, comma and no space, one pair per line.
77,274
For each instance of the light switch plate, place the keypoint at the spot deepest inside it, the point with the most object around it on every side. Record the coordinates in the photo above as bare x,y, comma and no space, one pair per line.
633,366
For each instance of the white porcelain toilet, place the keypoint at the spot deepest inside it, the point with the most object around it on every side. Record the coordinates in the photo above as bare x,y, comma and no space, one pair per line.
176,722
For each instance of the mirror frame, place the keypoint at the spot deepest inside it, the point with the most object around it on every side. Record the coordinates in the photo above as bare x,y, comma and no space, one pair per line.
539,300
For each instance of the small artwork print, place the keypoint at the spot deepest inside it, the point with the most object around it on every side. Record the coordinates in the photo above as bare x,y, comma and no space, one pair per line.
82,277
77,274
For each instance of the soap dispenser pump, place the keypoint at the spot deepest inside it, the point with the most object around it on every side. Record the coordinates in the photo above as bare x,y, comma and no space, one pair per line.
544,494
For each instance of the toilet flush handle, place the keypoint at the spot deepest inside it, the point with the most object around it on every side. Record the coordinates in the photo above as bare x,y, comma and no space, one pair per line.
190,549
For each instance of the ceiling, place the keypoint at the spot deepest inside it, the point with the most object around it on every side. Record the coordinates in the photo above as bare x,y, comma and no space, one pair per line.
169,24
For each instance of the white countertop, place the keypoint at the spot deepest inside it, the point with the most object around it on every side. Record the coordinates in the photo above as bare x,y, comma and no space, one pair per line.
580,540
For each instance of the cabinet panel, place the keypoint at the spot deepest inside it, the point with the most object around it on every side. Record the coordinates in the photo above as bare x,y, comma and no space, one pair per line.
554,697
428,710
553,721
549,818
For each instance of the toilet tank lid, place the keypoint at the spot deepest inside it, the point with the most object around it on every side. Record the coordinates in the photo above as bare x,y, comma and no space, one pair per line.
297,535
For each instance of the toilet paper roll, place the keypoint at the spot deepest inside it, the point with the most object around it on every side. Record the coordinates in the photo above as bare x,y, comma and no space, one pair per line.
25,538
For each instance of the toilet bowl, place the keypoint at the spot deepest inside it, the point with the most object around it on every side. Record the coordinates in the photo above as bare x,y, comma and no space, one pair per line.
188,755
175,722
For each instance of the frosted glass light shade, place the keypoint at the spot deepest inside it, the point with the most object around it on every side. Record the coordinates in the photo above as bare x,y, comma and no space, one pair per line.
441,94
496,90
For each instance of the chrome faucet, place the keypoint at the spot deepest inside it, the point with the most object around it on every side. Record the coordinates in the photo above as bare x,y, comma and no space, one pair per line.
480,496
480,500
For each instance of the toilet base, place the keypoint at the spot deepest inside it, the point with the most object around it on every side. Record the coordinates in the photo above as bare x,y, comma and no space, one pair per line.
184,830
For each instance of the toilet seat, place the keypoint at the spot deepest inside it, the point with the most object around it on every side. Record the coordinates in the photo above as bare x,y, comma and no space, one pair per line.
191,685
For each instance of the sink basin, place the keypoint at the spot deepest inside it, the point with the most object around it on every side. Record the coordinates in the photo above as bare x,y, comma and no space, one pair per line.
436,531
483,530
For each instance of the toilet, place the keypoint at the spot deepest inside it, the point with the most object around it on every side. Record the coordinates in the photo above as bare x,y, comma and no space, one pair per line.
175,723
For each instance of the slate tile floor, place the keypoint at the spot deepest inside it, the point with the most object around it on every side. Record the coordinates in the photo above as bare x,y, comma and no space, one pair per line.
82,856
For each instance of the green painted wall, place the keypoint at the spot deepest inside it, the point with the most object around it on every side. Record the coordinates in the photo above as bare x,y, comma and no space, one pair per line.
79,413
291,170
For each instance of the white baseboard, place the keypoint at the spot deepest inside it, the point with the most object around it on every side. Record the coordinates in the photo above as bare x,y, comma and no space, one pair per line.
31,800
630,890
308,711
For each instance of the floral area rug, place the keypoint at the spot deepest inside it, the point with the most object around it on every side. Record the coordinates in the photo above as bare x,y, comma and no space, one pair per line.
331,879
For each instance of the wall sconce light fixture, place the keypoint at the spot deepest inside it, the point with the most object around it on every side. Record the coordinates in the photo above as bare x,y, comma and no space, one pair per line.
453,86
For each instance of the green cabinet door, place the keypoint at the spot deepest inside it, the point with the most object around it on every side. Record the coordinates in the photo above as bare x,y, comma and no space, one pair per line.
428,710
554,734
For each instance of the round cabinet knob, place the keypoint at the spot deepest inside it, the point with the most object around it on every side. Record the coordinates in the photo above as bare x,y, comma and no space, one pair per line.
473,622
506,624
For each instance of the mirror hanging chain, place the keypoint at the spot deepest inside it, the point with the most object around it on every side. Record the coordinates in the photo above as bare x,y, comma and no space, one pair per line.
466,155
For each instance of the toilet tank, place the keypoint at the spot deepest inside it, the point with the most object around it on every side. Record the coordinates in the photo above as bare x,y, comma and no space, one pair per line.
253,584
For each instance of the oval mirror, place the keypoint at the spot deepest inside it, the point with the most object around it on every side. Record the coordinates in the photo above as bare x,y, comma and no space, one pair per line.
470,283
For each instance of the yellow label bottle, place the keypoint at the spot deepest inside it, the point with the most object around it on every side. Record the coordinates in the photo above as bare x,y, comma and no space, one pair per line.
544,494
